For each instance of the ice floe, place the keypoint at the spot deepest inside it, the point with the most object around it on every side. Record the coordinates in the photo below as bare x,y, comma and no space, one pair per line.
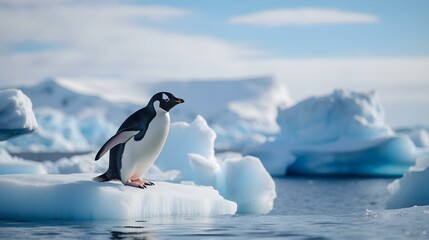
342,133
412,189
76,197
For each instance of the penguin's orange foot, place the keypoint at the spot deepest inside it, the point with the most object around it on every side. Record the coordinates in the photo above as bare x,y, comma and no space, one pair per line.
149,183
136,183
140,183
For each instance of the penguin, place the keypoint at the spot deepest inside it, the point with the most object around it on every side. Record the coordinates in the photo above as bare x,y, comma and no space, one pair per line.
138,142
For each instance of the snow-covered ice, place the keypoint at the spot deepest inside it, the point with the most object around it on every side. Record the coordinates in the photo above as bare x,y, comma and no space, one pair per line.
75,196
412,189
16,114
342,133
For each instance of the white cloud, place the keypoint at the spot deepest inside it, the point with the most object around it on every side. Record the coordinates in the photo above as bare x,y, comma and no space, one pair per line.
105,40
303,16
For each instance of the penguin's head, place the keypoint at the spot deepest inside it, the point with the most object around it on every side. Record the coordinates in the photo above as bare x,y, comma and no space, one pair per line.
166,100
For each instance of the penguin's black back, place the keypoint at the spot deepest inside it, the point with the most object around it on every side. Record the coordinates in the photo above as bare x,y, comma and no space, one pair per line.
138,121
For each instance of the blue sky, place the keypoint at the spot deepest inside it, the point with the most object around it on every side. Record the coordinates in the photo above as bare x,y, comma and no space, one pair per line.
311,46
401,29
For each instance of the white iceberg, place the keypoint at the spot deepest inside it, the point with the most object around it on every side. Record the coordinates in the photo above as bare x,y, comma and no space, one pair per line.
16,114
412,188
245,181
342,133
76,197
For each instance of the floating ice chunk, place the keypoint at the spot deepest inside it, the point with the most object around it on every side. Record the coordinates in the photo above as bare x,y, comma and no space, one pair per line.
190,149
245,181
76,196
14,165
16,114
184,138
342,133
412,188
205,172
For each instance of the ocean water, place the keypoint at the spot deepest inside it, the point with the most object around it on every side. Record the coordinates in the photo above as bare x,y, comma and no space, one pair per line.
306,208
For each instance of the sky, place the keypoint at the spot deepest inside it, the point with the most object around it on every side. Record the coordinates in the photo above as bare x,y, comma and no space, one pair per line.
313,46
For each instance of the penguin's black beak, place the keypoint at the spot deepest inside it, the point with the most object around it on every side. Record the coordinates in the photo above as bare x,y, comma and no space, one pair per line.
179,101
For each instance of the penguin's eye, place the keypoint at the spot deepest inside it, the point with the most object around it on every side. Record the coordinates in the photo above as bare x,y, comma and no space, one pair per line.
165,97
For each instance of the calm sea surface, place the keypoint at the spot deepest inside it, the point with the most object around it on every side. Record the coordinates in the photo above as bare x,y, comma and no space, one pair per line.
306,208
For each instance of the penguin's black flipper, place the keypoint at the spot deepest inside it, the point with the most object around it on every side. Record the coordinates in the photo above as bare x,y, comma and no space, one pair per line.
120,137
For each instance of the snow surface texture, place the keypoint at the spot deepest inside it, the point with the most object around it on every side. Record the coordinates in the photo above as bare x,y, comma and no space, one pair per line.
412,188
342,133
16,114
189,155
242,112
75,196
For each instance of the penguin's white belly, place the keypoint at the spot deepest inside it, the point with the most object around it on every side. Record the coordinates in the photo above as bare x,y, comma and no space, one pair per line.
138,156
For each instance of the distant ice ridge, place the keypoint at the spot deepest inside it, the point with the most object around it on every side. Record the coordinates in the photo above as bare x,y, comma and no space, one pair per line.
412,188
14,165
419,135
342,133
76,197
242,112
59,132
16,114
